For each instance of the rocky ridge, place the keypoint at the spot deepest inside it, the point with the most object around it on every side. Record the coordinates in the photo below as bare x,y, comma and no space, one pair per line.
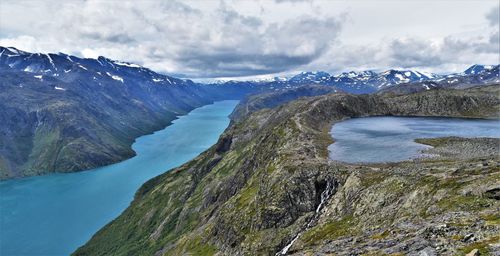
263,185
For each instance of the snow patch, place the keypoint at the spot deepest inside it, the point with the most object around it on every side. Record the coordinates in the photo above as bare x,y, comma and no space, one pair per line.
117,78
59,88
39,77
130,65
51,62
29,69
100,63
400,77
428,75
14,50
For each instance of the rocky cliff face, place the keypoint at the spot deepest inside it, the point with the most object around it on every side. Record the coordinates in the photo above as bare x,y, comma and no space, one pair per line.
267,186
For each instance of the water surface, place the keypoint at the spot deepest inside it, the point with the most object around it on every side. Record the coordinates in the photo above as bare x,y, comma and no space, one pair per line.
55,214
391,139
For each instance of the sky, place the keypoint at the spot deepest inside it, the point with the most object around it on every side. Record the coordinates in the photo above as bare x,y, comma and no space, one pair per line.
244,39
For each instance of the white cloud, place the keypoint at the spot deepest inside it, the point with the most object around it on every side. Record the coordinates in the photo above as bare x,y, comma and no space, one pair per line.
249,38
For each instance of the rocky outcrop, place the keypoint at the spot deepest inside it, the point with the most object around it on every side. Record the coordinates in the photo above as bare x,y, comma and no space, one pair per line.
263,186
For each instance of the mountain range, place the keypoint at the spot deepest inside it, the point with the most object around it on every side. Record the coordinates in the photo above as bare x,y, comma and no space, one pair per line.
371,81
59,65
64,113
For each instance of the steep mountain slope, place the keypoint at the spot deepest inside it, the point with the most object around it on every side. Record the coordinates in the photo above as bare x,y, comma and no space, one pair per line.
268,179
62,113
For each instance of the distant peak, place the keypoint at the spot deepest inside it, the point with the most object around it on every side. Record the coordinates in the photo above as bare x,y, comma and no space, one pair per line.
11,50
477,68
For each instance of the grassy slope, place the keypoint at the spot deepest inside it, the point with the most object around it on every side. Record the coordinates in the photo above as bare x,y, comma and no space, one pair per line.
254,196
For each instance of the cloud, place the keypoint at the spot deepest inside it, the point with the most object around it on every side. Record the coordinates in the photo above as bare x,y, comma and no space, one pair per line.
240,38
172,36
275,48
449,54
443,53
493,16
291,1
412,52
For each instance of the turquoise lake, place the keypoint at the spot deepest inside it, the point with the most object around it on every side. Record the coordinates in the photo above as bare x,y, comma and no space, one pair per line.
55,214
391,139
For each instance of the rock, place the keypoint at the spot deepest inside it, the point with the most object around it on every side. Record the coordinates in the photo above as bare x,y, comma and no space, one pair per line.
474,252
493,193
469,238
427,251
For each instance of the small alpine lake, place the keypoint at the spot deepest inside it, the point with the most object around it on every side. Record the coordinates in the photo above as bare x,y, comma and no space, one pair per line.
391,139
57,213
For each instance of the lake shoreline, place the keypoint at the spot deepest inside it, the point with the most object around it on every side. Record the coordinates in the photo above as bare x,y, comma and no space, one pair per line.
356,142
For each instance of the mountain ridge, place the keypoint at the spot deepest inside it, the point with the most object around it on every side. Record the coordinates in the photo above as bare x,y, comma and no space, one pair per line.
113,102
262,184
63,113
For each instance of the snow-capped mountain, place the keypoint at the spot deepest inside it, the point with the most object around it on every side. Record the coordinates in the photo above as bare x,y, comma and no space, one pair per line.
65,67
356,82
476,69
370,81
476,74
361,82
317,77
392,77
103,70
473,76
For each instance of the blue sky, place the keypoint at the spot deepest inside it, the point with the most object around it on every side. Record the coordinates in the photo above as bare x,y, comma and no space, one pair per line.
262,38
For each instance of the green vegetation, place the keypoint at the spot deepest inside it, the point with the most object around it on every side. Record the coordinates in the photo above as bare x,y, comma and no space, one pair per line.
483,246
330,231
256,195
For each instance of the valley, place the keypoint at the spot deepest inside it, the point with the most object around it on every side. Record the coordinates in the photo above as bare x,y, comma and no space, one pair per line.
64,114
55,214
242,128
